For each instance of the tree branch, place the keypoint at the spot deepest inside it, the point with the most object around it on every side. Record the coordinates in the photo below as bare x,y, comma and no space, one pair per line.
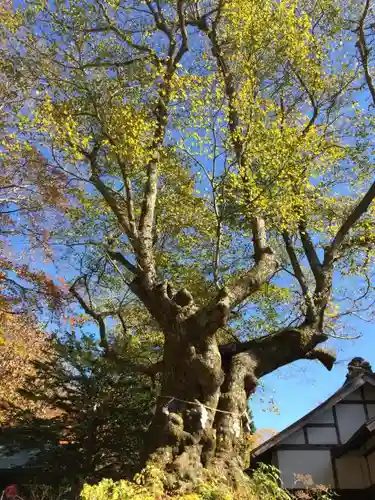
250,281
121,35
265,265
310,252
259,238
313,103
229,86
364,51
129,197
119,257
98,63
281,348
331,251
215,315
90,311
159,19
326,357
114,200
298,273
182,24
147,217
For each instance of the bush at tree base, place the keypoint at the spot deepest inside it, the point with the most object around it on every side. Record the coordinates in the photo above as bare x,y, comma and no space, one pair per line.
264,484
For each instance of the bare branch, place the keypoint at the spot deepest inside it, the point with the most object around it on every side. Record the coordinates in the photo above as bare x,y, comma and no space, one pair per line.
98,63
159,19
310,252
94,315
313,103
298,273
364,51
350,221
114,200
119,257
182,23
121,35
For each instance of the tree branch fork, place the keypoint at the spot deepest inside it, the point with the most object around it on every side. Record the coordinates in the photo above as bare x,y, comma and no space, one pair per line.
176,310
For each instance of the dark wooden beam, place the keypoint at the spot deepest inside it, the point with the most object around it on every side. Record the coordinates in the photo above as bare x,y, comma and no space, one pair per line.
336,425
321,425
307,446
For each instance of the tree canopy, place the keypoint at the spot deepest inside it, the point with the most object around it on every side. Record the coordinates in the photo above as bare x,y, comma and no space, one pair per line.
212,162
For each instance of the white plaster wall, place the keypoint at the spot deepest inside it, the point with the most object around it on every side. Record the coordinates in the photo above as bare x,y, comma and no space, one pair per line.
349,418
322,435
352,472
316,463
325,417
297,437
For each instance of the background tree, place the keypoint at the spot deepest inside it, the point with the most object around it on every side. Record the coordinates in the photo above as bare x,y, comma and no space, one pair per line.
32,200
214,177
22,342
94,417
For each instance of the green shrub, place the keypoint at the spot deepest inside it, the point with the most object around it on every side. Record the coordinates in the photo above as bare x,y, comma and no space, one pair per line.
120,490
263,485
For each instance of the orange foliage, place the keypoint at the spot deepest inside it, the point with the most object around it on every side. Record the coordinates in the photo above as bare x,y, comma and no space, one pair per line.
24,290
22,342
260,436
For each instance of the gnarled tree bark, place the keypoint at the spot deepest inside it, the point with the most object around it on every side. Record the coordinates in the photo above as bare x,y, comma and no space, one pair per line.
201,420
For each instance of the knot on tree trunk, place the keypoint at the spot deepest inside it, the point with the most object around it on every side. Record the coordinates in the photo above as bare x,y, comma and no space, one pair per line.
183,298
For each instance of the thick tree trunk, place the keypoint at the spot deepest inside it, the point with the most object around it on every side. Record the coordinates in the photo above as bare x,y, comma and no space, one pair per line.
201,421
201,424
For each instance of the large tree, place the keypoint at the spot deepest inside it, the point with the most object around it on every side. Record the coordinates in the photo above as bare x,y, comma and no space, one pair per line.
222,162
